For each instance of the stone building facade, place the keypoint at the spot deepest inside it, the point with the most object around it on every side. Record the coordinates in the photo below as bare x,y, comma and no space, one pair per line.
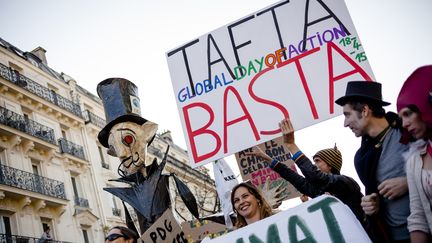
53,169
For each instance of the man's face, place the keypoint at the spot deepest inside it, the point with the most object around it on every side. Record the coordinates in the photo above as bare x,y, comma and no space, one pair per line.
322,166
128,141
355,120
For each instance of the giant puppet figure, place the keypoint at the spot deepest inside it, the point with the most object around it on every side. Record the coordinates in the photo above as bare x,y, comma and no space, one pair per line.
127,136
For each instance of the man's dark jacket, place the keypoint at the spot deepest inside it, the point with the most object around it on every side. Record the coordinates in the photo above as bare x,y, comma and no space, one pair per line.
316,183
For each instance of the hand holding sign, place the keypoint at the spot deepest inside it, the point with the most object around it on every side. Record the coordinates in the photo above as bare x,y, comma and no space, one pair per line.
287,131
256,151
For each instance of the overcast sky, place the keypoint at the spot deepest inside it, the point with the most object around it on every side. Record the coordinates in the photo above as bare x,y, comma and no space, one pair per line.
94,40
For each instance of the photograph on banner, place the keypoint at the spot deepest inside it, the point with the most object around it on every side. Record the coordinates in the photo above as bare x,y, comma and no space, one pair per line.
234,84
257,171
322,219
165,229
197,230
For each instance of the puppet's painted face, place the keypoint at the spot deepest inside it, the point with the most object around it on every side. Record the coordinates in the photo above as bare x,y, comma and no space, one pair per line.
128,141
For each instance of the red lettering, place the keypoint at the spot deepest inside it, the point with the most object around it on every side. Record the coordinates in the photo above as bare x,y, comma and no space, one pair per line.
200,131
296,60
332,78
239,119
264,101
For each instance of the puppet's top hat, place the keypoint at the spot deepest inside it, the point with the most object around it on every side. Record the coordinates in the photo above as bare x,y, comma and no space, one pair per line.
121,104
362,91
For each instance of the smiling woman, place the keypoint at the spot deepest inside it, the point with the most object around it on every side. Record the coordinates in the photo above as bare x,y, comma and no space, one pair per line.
249,204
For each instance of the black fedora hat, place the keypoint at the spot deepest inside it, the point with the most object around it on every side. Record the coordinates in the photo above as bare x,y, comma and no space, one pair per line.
368,91
121,104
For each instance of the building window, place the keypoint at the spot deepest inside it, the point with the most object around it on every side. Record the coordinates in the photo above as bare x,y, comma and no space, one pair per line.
102,158
78,195
75,187
2,156
36,167
114,203
47,223
85,235
64,136
101,154
5,227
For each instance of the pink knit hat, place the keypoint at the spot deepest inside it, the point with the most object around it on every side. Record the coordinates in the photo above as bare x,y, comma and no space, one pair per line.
417,90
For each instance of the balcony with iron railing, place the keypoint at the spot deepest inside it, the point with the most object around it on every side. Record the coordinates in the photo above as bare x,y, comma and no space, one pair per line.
70,148
116,212
90,117
39,90
31,182
5,238
81,202
26,125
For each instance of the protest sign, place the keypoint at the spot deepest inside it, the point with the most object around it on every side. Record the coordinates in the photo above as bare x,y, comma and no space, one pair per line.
258,171
225,181
165,229
196,230
323,219
234,84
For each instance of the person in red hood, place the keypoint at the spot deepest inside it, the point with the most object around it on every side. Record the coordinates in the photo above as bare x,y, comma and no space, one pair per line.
414,105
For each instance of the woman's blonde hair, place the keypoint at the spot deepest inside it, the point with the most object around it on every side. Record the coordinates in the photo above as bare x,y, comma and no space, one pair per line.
264,207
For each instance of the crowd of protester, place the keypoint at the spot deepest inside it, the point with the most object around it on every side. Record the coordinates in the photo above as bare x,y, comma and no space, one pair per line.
394,163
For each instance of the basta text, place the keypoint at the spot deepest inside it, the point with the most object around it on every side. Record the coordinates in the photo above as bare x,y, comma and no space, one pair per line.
248,116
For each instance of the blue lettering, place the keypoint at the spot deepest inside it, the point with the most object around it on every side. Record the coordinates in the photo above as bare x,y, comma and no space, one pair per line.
217,81
181,96
224,80
200,90
207,85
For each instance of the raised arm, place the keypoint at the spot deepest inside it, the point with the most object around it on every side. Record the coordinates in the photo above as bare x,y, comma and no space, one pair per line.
298,181
309,170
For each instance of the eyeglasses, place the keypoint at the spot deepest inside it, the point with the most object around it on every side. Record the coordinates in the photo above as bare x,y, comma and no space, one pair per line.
112,237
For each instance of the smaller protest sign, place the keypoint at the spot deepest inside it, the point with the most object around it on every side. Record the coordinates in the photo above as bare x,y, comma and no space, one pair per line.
165,229
323,219
197,230
258,171
225,181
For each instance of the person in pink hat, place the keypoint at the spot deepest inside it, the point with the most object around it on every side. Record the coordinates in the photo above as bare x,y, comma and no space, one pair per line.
414,105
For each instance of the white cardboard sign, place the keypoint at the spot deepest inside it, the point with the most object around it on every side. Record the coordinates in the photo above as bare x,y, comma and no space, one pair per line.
235,84
323,219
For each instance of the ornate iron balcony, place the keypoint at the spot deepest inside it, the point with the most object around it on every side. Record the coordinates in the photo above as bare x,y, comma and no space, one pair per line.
71,148
31,182
116,212
39,90
19,122
24,239
92,118
82,202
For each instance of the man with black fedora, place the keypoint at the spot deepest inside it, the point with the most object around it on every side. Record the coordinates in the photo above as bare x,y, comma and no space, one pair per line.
127,136
378,161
